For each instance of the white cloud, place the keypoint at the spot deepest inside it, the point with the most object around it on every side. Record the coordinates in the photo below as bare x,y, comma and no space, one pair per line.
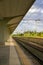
42,11
33,10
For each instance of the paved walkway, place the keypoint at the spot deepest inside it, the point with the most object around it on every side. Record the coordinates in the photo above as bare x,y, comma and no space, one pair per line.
8,54
13,58
4,55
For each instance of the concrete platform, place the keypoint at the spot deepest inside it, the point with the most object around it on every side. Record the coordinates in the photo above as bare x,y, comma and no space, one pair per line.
4,55
13,58
8,56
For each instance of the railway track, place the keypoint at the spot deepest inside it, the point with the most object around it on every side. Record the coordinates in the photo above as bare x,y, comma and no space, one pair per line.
37,51
25,57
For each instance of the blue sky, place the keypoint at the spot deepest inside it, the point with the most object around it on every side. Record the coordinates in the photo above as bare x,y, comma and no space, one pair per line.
30,21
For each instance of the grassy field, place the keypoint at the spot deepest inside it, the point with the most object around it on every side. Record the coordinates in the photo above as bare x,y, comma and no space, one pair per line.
29,34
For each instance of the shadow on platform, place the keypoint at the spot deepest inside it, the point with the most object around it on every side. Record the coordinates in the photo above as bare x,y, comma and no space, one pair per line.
4,55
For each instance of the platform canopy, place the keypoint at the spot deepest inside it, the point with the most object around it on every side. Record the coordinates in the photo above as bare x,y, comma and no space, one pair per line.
13,11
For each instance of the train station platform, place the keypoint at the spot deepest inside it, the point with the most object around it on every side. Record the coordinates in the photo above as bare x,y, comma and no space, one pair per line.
12,54
8,54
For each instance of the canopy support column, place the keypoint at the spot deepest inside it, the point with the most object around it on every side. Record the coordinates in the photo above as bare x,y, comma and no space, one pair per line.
4,32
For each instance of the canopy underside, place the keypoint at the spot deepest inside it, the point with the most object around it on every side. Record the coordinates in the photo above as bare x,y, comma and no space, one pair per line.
14,8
